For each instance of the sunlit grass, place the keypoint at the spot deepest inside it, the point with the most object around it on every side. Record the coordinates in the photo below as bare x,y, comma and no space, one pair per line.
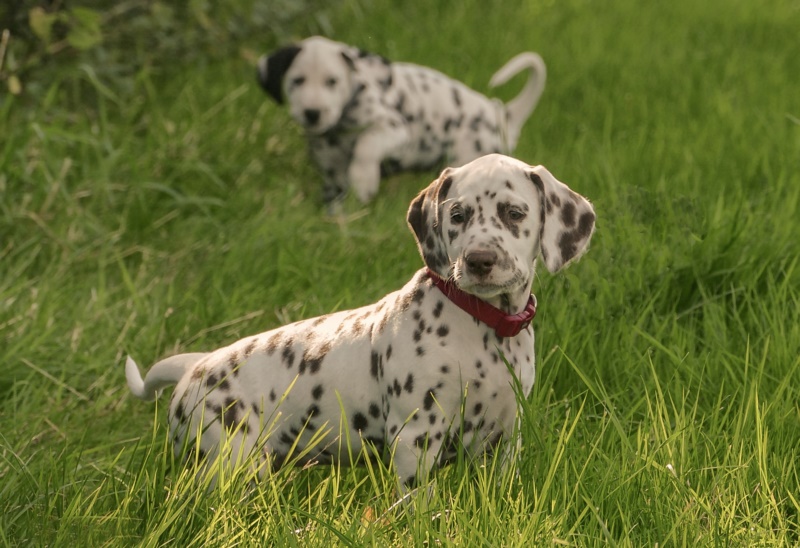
182,214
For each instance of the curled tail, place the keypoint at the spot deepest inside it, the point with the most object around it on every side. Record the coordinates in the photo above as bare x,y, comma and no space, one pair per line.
164,373
520,107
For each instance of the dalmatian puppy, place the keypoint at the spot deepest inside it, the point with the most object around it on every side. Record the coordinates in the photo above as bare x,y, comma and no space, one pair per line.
416,375
365,116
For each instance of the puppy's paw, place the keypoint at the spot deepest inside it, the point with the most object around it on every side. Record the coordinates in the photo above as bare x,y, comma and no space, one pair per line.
364,179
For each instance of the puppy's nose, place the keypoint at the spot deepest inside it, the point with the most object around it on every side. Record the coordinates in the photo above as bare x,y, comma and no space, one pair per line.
312,116
480,262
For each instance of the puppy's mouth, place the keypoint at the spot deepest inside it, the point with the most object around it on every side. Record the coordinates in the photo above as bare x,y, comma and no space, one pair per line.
486,289
314,129
487,285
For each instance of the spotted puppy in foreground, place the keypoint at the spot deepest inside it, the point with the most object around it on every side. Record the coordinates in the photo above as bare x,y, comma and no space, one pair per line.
364,115
419,373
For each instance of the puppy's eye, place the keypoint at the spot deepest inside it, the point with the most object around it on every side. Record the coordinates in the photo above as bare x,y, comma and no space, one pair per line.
330,82
298,81
516,214
457,216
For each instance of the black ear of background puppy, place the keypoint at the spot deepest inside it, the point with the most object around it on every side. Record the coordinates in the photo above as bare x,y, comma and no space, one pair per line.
272,68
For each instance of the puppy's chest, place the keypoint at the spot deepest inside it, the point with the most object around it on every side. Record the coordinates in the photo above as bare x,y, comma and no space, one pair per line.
440,345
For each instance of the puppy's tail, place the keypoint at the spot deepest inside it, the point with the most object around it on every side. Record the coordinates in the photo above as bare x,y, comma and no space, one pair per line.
165,373
520,107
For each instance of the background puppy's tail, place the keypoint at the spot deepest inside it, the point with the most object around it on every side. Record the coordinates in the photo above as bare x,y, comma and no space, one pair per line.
165,373
520,107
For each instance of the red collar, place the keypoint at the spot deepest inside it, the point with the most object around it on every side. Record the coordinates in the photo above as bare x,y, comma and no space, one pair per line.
505,325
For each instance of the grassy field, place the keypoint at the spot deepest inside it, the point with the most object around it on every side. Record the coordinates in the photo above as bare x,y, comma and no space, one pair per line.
175,210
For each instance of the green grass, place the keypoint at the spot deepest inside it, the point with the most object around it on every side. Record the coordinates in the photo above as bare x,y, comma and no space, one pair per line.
180,213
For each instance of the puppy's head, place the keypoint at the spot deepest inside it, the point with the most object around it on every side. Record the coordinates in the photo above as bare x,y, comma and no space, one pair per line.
484,224
314,76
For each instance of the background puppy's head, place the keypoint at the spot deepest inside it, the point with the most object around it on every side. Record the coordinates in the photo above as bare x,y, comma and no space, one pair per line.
316,78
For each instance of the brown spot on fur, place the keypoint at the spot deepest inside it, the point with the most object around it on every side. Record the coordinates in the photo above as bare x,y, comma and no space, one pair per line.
250,347
273,343
568,214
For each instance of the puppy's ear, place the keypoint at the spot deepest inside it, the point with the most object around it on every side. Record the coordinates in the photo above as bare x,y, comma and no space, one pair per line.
271,69
423,219
567,220
349,58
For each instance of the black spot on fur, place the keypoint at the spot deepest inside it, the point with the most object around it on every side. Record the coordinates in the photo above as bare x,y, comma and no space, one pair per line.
272,396
287,355
437,310
469,212
360,422
286,439
503,209
409,384
376,367
312,410
230,417
452,123
442,330
478,408
429,399
374,410
444,369
568,213
456,97
180,412
317,392
568,243
310,362
476,121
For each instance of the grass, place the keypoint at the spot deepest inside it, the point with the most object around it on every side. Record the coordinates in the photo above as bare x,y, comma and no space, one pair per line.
180,213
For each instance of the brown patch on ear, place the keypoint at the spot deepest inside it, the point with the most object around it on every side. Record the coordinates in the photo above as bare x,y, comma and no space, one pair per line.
417,218
567,220
423,219
272,68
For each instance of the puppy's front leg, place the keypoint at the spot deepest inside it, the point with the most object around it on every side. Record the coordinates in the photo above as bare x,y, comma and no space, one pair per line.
373,145
330,154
